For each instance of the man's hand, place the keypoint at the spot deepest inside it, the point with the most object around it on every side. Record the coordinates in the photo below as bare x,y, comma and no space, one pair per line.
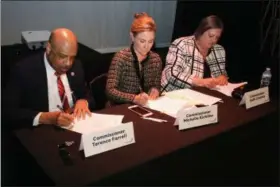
154,93
221,80
81,109
56,118
141,99
64,119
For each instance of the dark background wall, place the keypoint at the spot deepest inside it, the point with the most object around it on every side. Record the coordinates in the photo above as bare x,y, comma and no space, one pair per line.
241,36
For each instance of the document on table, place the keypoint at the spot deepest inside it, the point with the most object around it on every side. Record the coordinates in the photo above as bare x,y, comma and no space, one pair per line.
172,102
227,89
193,97
168,105
96,122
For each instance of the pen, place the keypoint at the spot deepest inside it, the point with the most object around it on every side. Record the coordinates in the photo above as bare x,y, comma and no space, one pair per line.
60,108
200,105
155,119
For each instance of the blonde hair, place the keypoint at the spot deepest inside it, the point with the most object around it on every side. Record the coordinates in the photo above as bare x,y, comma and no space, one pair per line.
142,22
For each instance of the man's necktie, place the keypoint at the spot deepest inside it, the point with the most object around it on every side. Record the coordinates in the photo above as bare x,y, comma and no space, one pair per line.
62,94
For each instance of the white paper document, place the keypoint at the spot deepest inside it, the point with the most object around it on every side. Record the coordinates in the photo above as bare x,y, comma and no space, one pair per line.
96,122
227,89
172,102
193,97
168,105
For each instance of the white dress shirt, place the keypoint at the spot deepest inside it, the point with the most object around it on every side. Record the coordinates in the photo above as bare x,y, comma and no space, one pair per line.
53,94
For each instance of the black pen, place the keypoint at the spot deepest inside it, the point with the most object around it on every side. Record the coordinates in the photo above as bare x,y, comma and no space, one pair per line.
60,108
200,105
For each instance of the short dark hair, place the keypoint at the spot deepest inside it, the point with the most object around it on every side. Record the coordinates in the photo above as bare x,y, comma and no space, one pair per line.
210,22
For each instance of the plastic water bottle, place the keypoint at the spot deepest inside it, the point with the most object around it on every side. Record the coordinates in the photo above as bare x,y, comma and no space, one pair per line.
266,77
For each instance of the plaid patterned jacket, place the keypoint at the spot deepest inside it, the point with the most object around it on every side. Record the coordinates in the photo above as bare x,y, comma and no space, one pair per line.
184,62
123,82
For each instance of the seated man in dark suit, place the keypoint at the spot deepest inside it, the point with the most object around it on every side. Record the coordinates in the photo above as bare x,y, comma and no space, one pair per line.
48,88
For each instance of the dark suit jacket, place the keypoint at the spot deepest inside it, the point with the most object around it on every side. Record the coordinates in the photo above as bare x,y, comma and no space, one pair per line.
26,93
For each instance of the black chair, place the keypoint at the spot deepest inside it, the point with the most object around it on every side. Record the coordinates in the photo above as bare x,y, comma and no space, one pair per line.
97,88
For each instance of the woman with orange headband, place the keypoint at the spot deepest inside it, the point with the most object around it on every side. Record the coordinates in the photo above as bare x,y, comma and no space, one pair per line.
134,74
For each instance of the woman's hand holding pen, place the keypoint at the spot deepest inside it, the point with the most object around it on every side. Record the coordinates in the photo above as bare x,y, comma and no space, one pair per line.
211,82
221,80
154,93
141,99
206,82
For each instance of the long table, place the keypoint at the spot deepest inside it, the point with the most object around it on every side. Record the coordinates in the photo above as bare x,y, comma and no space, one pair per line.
153,140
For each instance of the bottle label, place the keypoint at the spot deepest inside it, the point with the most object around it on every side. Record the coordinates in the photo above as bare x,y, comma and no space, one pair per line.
265,81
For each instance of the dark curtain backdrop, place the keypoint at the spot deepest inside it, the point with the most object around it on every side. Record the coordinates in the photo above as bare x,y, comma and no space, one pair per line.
241,36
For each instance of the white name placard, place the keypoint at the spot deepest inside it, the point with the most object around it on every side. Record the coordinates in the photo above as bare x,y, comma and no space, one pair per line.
255,97
111,138
195,117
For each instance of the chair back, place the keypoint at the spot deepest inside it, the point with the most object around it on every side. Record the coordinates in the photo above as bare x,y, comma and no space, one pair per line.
98,90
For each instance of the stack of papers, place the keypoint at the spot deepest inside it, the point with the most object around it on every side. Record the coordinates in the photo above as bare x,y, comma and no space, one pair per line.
193,97
167,105
172,102
96,122
227,89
